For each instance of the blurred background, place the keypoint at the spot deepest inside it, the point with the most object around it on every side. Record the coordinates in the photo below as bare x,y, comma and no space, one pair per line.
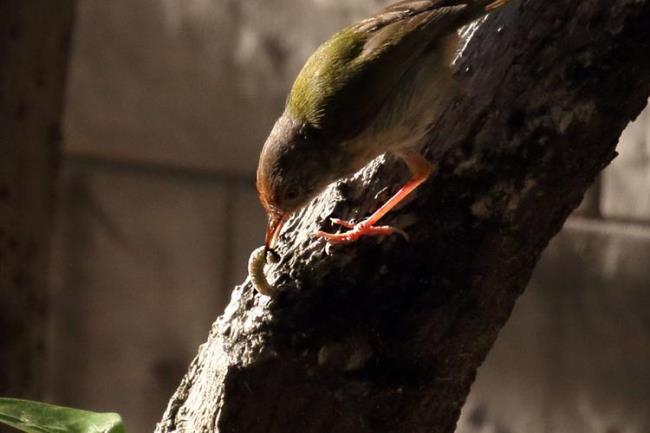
168,103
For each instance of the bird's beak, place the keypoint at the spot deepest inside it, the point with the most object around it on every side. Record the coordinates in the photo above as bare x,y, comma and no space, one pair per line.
273,229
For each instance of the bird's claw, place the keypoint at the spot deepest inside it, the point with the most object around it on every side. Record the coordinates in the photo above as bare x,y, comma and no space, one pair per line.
356,231
342,223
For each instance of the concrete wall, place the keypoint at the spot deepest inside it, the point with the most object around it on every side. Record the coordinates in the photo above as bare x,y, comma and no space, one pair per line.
168,105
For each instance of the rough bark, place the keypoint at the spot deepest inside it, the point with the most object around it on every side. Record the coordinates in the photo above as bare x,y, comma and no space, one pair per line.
34,39
385,335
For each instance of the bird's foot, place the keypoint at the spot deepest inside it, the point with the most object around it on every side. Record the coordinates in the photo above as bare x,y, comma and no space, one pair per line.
364,228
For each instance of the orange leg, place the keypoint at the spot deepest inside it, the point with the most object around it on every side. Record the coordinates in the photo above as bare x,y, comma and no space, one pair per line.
420,169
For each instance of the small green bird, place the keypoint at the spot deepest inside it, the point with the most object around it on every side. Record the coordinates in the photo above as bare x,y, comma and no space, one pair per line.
373,87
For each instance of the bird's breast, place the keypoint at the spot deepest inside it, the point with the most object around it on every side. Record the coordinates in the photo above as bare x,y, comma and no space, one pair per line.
408,113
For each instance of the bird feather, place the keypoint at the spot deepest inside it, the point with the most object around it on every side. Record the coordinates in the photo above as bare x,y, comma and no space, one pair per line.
350,76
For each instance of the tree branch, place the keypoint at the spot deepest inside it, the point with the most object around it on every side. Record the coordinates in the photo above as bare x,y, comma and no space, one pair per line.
385,335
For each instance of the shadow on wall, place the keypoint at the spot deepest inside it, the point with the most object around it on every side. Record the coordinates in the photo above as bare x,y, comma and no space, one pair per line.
575,355
168,105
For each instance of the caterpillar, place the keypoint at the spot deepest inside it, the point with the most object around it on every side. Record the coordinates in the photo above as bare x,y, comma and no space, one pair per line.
256,264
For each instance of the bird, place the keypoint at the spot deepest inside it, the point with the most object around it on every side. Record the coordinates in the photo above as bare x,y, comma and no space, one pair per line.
374,87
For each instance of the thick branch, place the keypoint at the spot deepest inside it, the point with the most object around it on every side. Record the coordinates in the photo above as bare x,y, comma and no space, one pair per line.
386,335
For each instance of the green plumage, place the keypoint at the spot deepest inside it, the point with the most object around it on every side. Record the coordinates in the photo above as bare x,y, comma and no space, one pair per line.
334,66
349,77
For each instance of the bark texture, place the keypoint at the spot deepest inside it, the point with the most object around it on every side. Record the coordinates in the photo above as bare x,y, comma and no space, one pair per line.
385,335
34,37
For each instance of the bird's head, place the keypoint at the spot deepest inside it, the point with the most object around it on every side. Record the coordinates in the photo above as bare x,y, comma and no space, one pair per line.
293,169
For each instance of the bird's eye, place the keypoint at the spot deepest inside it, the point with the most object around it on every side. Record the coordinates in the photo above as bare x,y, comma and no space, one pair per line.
291,194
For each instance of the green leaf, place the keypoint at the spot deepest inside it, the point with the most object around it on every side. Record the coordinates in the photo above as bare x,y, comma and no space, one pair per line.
36,417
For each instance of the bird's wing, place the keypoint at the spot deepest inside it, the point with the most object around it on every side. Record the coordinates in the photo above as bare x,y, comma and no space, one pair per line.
349,76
